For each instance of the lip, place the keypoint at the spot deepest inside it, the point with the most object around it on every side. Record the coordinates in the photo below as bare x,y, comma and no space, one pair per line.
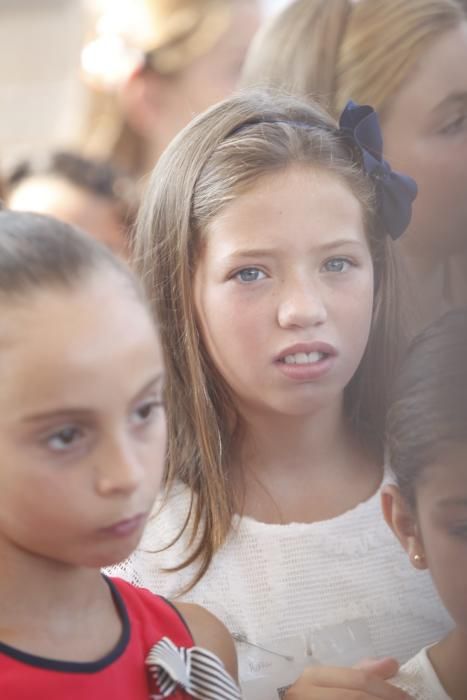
125,527
311,372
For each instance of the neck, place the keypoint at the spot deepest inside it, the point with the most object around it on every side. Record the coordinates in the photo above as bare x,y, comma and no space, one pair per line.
448,659
287,443
41,590
288,463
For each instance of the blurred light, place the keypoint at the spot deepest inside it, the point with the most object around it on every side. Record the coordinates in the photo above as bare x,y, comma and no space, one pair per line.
108,61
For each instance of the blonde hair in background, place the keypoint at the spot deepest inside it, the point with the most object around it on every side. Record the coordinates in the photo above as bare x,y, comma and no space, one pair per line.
210,164
336,50
165,36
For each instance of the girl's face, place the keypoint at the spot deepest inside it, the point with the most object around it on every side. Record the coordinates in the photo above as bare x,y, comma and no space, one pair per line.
284,292
441,504
425,135
82,427
208,79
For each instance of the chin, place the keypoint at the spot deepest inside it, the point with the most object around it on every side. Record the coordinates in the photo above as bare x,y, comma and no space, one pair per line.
114,555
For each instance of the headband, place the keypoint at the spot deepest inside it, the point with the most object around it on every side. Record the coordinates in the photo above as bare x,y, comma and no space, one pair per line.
359,128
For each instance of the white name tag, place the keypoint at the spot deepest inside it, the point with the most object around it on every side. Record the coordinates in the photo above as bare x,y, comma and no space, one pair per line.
267,668
267,672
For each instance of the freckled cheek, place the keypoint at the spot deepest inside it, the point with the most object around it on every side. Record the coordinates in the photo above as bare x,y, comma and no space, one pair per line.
55,506
448,568
426,169
230,317
444,553
355,306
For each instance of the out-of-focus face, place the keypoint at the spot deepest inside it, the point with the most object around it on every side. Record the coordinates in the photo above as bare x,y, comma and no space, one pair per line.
209,78
82,425
425,135
441,499
49,194
284,292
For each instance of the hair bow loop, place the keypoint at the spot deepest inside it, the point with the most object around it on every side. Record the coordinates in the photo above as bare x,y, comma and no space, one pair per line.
197,671
395,192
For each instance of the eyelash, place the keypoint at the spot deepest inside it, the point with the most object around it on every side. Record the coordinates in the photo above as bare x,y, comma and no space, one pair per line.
460,531
75,434
340,259
456,125
153,405
58,434
237,275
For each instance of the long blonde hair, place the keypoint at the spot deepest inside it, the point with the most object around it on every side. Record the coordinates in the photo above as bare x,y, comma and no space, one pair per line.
336,50
211,163
164,36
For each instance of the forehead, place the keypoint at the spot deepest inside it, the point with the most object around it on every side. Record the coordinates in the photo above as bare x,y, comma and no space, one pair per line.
77,331
297,205
439,73
447,476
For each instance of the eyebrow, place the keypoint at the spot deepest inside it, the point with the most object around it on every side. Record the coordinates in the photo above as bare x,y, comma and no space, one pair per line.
257,252
79,411
454,99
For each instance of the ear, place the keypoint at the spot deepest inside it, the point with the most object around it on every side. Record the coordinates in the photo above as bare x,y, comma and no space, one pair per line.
140,98
402,521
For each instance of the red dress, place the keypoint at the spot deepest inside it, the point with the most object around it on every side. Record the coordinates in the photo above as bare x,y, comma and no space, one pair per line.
120,675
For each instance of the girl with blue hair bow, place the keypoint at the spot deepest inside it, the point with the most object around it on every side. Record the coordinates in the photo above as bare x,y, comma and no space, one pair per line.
406,59
266,243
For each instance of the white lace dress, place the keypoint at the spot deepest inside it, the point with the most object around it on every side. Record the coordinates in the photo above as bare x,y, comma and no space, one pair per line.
275,582
418,678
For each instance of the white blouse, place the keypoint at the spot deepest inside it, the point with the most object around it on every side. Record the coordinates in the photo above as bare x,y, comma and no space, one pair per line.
418,678
344,586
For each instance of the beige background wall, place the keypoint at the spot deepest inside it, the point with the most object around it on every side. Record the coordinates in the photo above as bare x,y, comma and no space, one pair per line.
39,91
41,102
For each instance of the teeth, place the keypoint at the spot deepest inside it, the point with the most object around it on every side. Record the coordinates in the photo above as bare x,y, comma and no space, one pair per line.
303,358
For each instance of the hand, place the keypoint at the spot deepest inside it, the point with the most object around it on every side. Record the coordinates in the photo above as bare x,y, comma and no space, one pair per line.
366,682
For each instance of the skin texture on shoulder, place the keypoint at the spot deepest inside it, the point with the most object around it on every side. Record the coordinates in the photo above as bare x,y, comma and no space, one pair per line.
211,634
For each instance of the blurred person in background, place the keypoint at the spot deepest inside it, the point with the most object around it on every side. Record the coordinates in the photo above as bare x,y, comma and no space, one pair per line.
153,65
89,194
407,59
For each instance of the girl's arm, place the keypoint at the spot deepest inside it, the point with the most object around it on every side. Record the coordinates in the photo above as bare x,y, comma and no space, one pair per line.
209,632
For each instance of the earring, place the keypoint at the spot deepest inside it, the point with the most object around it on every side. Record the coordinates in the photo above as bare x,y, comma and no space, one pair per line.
418,558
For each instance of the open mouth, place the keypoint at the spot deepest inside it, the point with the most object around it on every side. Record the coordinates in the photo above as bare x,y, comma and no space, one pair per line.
304,358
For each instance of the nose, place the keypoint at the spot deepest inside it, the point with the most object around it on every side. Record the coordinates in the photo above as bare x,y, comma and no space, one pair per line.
120,471
302,305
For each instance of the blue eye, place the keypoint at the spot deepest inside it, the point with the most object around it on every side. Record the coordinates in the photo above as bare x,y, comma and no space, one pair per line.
337,265
250,274
64,439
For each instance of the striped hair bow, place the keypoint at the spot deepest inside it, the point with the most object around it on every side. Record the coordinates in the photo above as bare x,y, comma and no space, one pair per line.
198,671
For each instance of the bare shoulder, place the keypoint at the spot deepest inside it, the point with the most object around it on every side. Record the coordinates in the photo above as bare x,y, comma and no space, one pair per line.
210,633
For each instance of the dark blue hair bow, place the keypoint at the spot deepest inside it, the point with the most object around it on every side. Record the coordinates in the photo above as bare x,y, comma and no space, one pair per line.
395,192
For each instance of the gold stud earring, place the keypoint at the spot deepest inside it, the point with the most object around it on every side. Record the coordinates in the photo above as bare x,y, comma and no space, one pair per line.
418,558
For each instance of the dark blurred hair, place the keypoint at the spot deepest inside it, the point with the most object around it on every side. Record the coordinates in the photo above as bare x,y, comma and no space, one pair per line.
428,410
99,177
